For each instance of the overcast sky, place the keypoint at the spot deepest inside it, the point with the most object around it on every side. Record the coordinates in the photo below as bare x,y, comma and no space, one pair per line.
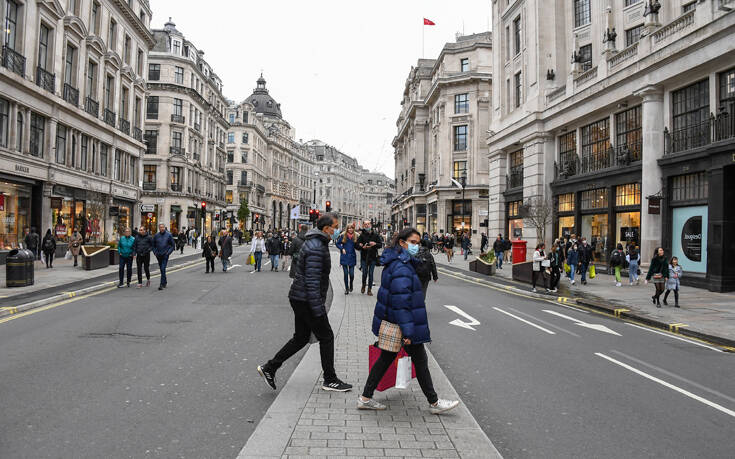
337,67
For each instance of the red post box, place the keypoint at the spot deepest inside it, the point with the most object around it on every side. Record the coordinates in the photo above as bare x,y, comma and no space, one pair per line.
519,251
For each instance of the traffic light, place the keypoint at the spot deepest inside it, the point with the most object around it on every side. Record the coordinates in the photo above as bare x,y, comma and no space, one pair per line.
257,218
328,207
204,206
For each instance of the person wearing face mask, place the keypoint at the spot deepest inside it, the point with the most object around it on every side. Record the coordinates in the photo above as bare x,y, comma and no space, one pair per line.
308,296
401,302
348,257
368,243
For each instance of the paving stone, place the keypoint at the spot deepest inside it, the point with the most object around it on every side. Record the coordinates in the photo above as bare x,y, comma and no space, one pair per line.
403,452
382,444
418,444
345,443
365,451
443,453
302,442
327,451
328,435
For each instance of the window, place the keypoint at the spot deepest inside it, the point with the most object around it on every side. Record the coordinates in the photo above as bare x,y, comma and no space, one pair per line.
139,61
154,72
628,195
229,177
565,203
4,122
690,108
230,156
43,47
230,137
38,131
95,20
151,112
517,84
60,144
244,117
178,107
464,65
176,178
581,12
459,168
228,196
689,187
633,35
104,153
514,208
109,92
507,42
149,176
243,177
594,199
83,153
568,148
179,75
124,96
18,130
516,35
461,103
460,138
91,80
595,145
73,152
631,2
176,139
11,24
244,157
177,47
116,166
628,131
112,34
232,118
244,137
585,55
126,50
727,91
151,141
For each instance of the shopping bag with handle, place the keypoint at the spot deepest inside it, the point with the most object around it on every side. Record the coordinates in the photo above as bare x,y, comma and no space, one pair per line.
403,373
567,268
592,272
389,378
251,259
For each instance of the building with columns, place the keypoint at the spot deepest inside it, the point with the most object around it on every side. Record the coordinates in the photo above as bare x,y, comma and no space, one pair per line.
440,148
620,115
376,197
184,163
72,92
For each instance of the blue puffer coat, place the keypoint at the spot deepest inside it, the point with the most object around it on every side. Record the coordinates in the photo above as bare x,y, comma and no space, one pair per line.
400,298
350,257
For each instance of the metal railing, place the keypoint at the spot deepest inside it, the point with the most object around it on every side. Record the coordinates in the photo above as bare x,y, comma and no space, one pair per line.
197,156
613,157
176,187
149,186
124,126
71,94
110,117
14,61
92,107
197,127
138,134
178,119
174,150
45,79
713,129
515,178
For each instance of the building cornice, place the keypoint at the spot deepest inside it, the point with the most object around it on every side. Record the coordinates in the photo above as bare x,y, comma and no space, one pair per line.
135,21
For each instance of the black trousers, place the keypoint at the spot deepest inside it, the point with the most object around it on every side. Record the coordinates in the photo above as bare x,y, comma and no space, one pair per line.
49,259
418,358
555,276
143,261
305,324
210,263
534,278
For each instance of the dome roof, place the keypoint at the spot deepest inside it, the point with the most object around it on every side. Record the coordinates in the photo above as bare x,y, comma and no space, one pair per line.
262,102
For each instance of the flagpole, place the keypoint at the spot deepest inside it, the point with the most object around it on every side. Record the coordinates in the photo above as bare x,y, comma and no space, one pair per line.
423,32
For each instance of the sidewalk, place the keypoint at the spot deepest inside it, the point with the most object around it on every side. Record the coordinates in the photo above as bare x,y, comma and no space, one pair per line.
305,421
705,313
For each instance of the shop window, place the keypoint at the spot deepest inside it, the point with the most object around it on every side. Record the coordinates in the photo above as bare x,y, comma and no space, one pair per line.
596,145
566,226
595,229
15,213
689,187
628,228
628,195
566,202
628,127
594,199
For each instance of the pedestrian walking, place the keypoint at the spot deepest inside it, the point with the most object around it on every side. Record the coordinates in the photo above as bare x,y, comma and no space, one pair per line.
49,248
572,262
466,244
633,258
142,249
555,259
125,249
75,245
616,262
659,271
163,247
256,249
539,259
348,257
225,252
307,296
273,246
585,258
368,243
449,246
499,249
33,242
401,312
483,243
285,253
425,266
182,241
296,244
672,284
508,249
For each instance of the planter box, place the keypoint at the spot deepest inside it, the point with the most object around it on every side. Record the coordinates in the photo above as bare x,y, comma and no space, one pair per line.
522,271
114,257
95,257
479,266
61,248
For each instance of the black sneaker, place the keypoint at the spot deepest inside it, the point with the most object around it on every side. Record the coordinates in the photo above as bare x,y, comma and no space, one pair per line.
268,377
336,386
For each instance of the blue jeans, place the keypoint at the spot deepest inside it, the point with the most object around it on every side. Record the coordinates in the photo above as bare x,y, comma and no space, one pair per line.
349,272
499,259
633,271
225,263
258,259
585,266
162,263
367,272
126,261
572,272
274,261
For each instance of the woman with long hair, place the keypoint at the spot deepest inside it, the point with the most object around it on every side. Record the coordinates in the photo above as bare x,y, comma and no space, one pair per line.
257,247
659,271
538,270
348,257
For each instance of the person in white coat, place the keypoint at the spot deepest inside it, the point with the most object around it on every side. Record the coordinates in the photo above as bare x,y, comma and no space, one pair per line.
257,247
538,270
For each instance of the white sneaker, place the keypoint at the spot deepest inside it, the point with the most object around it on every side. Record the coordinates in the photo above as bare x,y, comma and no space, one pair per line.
618,284
573,282
442,406
533,290
371,404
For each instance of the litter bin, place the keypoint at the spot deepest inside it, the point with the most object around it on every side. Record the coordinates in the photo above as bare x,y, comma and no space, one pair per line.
19,268
519,251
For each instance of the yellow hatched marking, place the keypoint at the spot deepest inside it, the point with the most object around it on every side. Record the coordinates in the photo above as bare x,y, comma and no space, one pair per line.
619,311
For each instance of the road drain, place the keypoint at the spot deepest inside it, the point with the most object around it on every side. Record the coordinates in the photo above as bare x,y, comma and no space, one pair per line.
125,336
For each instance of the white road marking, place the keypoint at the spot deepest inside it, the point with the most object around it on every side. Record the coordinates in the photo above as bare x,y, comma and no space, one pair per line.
674,337
472,321
525,321
548,324
572,307
669,385
597,327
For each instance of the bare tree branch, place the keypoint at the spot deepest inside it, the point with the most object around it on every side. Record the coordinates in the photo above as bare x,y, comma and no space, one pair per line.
539,211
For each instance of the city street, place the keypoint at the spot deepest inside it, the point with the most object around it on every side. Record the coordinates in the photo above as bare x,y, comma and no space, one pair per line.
144,373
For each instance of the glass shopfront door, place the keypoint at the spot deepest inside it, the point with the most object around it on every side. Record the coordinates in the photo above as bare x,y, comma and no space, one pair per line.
566,227
15,214
594,228
628,228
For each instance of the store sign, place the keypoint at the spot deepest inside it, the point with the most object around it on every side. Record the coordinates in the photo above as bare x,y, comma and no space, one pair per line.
629,233
691,238
114,211
24,169
689,241
60,230
654,205
147,208
56,203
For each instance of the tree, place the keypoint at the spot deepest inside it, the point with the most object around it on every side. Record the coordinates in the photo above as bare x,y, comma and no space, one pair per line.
539,211
243,212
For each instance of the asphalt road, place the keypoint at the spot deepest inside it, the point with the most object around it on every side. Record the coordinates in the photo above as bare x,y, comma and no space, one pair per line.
568,390
145,373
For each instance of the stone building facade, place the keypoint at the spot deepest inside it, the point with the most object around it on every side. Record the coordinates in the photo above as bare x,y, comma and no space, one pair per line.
440,148
620,116
376,197
184,164
72,94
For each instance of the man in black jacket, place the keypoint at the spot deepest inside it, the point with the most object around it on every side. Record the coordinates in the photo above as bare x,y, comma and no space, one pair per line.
273,246
368,244
225,244
499,249
295,252
142,249
308,296
585,258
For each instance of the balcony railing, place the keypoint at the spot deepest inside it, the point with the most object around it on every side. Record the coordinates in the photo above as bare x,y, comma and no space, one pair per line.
138,134
14,61
673,27
92,107
45,79
197,156
110,117
620,156
197,127
515,178
174,150
71,94
148,186
176,187
124,126
178,119
713,129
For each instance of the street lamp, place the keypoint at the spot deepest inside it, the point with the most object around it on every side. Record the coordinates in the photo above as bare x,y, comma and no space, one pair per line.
463,181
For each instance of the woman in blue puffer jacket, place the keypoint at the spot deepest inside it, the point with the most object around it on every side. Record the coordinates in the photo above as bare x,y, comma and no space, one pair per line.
347,258
401,302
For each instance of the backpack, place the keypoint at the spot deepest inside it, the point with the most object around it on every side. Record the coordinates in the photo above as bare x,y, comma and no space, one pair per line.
616,259
48,244
422,265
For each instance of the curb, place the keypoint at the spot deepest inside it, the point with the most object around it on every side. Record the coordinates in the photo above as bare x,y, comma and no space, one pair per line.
608,309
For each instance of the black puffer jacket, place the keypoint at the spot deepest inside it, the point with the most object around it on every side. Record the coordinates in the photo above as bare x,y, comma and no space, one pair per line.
311,272
143,244
296,245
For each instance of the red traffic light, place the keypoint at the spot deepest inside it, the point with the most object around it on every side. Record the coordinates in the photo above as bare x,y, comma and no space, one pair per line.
328,206
204,205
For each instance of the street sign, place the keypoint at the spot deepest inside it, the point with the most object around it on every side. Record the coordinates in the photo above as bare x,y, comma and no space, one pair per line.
145,208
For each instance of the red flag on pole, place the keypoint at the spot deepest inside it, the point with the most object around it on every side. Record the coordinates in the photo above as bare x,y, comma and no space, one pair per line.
428,22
